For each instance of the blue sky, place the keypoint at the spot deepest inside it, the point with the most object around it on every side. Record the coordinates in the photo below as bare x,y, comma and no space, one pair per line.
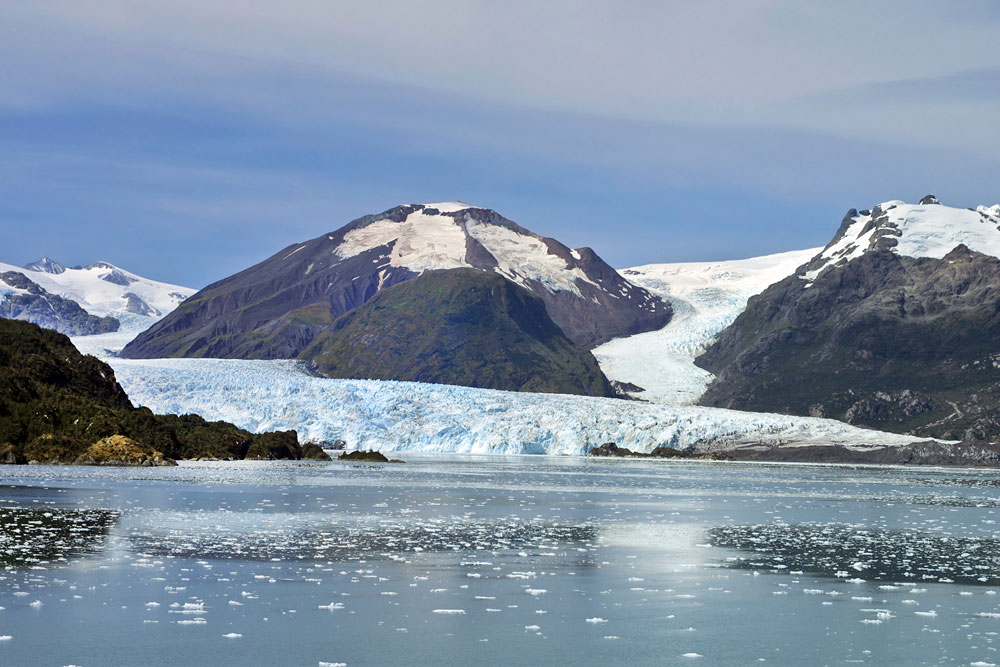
188,140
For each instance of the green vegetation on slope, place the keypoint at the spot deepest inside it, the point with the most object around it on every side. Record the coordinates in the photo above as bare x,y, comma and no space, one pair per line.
55,403
461,326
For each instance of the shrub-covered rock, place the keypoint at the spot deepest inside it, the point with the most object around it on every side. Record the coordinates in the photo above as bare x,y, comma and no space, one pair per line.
117,450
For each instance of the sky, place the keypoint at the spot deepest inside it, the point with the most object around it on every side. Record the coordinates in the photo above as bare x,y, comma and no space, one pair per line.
187,140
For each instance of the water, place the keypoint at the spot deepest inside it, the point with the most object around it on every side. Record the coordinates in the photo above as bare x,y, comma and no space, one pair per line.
514,561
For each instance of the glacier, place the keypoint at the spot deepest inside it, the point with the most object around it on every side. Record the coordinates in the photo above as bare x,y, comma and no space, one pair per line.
706,298
410,416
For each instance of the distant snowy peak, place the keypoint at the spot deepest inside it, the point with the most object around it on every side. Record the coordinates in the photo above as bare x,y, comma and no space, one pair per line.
104,289
46,265
925,229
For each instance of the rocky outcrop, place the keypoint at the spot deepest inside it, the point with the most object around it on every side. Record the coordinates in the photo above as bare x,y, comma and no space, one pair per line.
464,327
612,450
359,455
56,403
918,453
313,452
26,300
277,308
117,450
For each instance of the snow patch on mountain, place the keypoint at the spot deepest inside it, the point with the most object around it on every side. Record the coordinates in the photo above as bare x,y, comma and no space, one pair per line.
928,229
706,298
425,241
105,289
401,416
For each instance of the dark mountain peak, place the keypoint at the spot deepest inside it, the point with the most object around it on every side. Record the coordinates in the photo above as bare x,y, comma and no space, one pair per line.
929,199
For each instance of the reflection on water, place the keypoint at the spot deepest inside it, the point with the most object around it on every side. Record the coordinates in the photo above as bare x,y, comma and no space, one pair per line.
514,561
860,552
45,536
311,537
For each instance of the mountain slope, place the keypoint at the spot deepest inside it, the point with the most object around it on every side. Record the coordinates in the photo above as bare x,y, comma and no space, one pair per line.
705,297
55,403
276,308
22,299
458,326
895,325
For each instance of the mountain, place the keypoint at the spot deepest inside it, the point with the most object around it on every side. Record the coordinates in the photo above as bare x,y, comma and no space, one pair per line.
101,289
277,308
658,366
46,265
22,299
894,325
57,406
459,326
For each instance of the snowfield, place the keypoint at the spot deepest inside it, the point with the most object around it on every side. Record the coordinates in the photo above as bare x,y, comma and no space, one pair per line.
423,242
706,297
409,416
102,289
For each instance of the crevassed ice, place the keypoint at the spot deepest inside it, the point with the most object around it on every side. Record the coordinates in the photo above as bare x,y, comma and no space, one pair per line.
268,395
706,298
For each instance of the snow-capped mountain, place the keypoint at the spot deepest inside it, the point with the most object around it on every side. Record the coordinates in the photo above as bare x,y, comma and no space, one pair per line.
894,325
276,308
104,289
706,297
927,229
100,289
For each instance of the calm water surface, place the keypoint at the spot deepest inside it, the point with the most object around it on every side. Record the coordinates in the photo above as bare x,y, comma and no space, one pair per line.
498,561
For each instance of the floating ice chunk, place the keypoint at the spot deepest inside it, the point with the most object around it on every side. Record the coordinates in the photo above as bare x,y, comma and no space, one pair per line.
232,635
5,638
449,611
36,604
532,627
535,591
596,620
692,655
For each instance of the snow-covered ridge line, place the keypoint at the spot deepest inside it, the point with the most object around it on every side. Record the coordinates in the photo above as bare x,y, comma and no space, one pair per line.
104,289
706,298
927,229
266,395
438,239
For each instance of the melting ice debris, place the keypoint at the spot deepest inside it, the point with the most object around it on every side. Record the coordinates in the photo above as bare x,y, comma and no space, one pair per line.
597,620
692,655
232,635
449,611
